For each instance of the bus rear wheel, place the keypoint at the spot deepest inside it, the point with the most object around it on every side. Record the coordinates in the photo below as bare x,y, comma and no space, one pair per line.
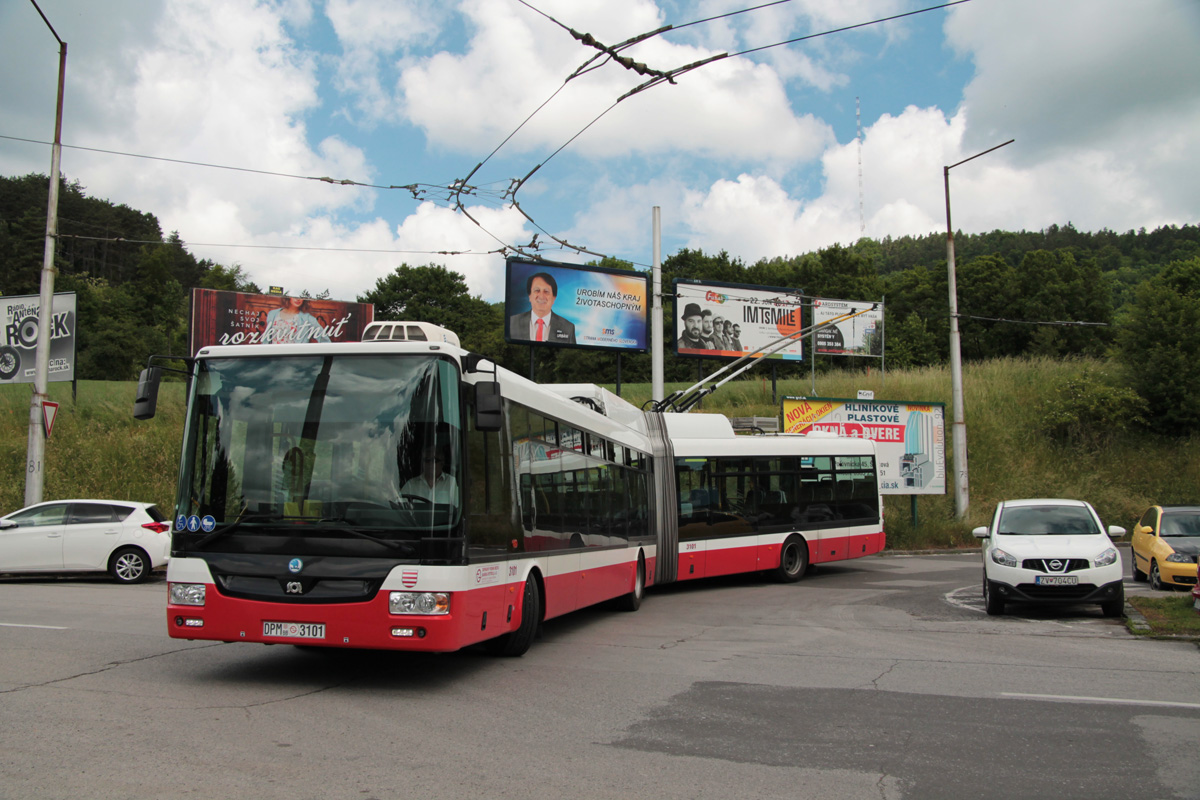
516,643
793,560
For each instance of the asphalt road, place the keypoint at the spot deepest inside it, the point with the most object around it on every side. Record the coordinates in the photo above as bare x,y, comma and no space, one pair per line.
877,678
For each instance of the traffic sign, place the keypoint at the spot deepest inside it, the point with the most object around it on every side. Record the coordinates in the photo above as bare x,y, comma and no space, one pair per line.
49,412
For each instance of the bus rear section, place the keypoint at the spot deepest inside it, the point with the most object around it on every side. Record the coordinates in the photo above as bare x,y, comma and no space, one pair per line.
775,503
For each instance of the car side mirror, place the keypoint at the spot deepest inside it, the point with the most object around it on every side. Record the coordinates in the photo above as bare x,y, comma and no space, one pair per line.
145,402
1115,531
981,533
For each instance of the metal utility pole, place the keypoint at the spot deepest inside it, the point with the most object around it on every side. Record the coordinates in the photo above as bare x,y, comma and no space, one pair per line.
961,493
656,313
34,473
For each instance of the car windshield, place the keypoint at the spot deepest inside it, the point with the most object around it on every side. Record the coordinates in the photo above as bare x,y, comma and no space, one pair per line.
1047,521
353,455
1181,523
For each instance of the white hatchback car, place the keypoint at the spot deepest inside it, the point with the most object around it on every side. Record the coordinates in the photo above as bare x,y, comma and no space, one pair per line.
125,539
1050,551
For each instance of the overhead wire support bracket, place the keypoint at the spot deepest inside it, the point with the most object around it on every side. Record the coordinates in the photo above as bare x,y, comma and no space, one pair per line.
684,399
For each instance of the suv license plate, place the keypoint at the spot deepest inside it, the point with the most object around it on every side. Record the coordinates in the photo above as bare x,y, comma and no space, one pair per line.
294,630
1056,580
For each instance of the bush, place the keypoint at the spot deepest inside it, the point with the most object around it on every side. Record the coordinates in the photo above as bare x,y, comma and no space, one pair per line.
1088,409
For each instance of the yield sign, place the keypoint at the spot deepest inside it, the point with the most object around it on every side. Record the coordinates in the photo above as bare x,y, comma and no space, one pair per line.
49,412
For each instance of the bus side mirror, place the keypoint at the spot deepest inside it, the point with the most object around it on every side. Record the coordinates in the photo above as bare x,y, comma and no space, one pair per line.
488,406
145,402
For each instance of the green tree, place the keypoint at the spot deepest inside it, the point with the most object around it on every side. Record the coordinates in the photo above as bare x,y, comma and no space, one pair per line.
435,294
1159,343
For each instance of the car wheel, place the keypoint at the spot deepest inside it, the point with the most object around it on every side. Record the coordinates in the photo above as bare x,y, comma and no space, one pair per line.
633,600
1156,578
992,603
1138,575
516,643
129,565
793,560
1116,606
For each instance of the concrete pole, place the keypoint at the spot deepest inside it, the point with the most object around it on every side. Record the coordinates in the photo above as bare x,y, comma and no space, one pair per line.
959,431
36,450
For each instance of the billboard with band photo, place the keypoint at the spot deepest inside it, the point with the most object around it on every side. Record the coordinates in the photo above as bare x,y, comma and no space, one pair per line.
239,318
18,348
731,320
575,306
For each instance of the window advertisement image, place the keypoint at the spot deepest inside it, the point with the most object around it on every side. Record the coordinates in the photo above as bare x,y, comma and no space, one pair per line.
220,318
858,336
910,438
731,320
570,306
18,352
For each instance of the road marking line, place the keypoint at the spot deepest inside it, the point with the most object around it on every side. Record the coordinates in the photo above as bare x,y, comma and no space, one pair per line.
1117,700
43,627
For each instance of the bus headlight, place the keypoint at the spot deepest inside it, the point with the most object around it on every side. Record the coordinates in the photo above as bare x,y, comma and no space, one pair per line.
419,603
187,594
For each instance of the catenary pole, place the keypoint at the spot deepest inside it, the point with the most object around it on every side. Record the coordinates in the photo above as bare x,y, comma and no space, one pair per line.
36,451
959,430
656,316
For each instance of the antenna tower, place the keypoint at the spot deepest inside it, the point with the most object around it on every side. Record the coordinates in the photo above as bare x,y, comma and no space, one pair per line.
862,222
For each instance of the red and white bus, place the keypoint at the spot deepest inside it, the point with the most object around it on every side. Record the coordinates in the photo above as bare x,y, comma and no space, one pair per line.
301,518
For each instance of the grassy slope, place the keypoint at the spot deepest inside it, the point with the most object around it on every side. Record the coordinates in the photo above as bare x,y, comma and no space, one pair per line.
99,450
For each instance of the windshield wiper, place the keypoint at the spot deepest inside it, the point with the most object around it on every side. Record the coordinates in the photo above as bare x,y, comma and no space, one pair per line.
405,547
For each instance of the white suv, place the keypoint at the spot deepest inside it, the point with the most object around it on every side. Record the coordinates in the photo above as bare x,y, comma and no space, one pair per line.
1050,551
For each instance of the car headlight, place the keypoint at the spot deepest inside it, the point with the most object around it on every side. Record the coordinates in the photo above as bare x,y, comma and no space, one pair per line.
1109,556
1003,559
187,594
1180,558
419,602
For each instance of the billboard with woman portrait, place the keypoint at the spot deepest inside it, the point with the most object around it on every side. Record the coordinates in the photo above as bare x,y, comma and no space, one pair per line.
219,318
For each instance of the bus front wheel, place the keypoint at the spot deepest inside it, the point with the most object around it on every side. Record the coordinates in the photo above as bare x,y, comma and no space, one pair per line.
516,643
793,560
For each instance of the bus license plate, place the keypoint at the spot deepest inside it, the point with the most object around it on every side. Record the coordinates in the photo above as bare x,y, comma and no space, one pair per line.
294,630
1056,580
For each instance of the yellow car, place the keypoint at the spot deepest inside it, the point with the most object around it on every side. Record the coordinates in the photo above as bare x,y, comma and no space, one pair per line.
1166,543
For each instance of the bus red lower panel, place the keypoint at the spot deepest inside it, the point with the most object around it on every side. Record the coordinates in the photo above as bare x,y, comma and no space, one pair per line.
361,625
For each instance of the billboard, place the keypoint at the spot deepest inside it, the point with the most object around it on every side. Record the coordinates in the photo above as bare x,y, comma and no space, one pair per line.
239,318
910,438
859,336
749,318
19,315
573,306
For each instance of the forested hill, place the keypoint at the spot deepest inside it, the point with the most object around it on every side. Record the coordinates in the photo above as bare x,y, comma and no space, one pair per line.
1020,294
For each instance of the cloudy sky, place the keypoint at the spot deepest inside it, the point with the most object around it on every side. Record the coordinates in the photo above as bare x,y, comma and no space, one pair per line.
757,153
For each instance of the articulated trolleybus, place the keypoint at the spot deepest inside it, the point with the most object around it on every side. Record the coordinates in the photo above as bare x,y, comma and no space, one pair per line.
403,493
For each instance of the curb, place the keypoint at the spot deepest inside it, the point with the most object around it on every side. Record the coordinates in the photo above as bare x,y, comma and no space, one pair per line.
1136,622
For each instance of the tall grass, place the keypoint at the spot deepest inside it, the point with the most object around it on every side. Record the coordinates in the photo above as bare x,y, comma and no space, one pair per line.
99,450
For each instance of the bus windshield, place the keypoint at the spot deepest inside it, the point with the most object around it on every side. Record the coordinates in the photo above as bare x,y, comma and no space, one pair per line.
322,454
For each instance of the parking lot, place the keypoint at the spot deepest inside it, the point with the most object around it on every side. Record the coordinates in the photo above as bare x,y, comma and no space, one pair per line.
879,678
